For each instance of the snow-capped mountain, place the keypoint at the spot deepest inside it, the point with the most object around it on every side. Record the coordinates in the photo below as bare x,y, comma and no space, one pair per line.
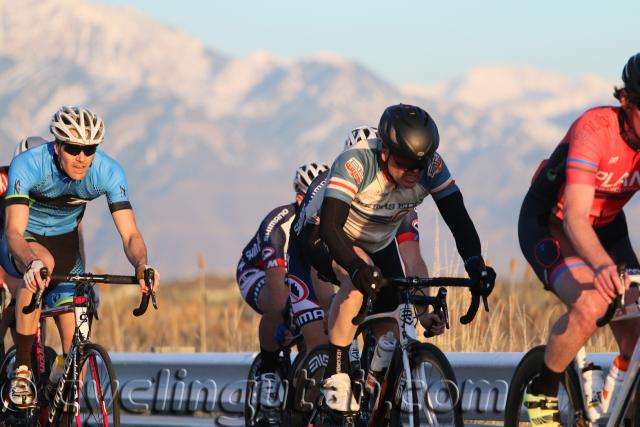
210,142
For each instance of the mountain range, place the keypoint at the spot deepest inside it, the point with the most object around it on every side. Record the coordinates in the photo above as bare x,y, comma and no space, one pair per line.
210,142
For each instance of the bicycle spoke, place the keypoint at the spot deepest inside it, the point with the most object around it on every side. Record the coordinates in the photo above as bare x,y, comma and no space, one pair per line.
97,395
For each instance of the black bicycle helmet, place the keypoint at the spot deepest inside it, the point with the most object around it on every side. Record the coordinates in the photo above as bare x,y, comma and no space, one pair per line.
409,131
631,78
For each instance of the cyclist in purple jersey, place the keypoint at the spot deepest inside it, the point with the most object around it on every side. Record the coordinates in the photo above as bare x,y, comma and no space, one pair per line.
261,277
48,188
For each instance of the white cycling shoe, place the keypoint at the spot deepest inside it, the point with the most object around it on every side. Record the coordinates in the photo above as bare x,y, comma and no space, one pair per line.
22,392
269,387
338,395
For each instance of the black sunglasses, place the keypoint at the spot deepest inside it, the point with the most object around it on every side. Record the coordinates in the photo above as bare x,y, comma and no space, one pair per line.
74,150
409,164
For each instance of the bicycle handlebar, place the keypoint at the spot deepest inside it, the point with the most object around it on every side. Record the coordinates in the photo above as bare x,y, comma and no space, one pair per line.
618,302
478,291
36,298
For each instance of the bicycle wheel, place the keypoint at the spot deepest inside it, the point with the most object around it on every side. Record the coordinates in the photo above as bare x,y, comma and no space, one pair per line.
431,397
98,394
254,415
8,416
305,385
634,402
570,402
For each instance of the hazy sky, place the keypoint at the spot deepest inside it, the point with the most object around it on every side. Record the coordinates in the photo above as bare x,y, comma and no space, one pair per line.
417,41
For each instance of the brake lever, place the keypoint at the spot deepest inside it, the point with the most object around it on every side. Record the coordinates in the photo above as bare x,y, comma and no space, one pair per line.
144,302
442,298
618,302
473,309
36,299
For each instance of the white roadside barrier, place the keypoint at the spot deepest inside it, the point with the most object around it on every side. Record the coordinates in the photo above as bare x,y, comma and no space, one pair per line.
207,389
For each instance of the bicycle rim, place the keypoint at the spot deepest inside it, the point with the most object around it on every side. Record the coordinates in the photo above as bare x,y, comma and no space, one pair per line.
569,395
98,393
432,397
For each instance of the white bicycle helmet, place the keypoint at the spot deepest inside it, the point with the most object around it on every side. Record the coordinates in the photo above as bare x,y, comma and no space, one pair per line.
27,143
361,133
305,174
77,125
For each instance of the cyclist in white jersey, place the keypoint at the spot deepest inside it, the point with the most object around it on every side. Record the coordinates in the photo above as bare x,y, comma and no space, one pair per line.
372,186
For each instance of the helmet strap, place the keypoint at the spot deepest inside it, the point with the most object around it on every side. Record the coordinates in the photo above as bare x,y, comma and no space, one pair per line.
385,166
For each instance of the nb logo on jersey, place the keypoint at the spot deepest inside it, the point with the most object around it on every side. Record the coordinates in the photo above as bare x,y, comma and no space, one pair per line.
16,186
123,191
614,160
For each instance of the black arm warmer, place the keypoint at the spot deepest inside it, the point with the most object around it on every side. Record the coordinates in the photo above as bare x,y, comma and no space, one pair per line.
457,218
332,219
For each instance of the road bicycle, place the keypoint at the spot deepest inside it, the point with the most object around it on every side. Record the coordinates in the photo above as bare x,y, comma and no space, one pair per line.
419,387
571,398
87,391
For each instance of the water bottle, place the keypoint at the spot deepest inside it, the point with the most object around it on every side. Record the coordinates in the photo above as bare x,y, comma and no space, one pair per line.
592,386
380,361
614,381
56,373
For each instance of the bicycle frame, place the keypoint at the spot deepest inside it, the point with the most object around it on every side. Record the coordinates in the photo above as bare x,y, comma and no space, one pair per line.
404,316
82,307
625,392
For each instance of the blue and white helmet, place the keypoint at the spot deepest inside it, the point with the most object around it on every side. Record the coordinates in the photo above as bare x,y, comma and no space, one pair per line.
77,125
361,133
27,143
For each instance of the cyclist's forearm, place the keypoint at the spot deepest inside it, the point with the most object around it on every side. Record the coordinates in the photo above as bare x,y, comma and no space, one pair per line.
457,218
135,250
19,247
332,219
414,264
585,241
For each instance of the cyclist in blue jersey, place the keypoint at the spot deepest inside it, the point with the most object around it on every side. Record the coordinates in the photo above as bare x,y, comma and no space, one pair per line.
49,187
261,275
371,187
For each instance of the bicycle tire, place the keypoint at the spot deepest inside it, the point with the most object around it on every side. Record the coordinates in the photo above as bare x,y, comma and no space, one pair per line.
98,397
7,364
431,371
305,385
251,403
570,402
635,401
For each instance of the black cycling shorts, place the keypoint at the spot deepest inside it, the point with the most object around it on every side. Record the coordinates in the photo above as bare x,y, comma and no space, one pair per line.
543,252
387,260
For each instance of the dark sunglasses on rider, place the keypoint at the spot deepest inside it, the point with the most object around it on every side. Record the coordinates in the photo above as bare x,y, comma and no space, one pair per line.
74,150
409,164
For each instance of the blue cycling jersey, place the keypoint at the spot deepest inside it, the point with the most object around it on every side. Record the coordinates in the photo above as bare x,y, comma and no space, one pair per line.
57,202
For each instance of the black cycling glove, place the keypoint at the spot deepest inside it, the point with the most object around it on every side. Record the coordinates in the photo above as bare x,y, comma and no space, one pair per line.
480,274
366,278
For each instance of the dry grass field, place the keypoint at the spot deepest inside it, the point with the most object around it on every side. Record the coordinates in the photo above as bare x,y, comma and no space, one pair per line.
520,317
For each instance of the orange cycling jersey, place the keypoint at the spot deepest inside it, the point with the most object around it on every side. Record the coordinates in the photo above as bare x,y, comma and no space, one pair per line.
594,153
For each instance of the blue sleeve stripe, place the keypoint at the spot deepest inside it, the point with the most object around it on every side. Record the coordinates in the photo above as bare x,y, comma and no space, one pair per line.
584,162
